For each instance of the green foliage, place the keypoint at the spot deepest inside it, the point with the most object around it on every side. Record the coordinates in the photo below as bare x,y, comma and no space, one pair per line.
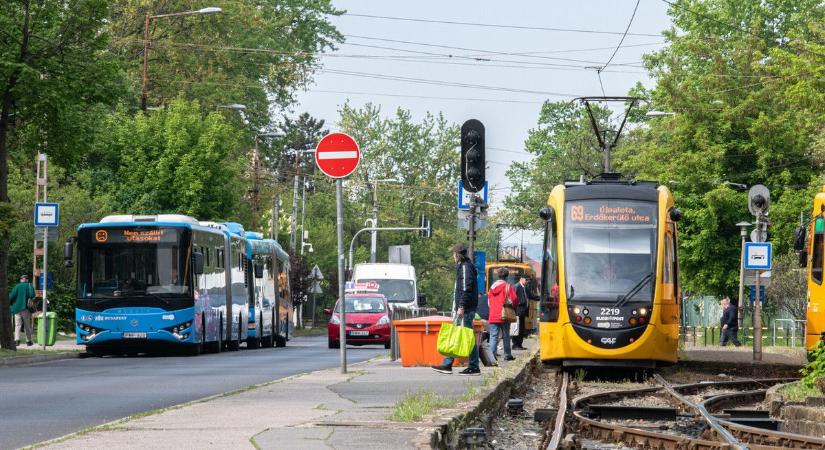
816,368
207,57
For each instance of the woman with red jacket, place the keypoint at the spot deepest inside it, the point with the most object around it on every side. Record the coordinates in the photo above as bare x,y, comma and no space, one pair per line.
499,293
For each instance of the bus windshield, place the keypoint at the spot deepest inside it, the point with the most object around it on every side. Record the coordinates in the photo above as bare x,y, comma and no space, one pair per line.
395,290
126,262
610,250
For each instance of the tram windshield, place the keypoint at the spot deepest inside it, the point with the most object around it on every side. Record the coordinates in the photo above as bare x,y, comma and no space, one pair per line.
610,250
132,262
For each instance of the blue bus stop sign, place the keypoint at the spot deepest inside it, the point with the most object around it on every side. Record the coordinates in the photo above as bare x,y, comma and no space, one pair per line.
758,255
752,294
46,214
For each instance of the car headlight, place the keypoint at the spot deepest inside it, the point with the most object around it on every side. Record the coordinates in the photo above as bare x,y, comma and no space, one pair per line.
335,320
384,320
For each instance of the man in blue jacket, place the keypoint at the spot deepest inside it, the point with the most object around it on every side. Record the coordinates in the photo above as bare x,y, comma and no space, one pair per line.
465,303
730,324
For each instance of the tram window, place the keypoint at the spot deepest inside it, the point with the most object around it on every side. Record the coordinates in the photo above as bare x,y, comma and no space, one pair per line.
674,248
816,257
667,264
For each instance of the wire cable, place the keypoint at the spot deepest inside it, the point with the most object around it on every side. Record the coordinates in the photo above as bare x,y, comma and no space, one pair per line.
621,41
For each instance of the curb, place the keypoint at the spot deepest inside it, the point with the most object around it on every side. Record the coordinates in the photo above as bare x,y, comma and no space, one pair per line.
13,361
446,431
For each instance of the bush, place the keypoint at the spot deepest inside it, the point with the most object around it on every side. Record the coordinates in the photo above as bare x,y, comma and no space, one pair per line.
815,369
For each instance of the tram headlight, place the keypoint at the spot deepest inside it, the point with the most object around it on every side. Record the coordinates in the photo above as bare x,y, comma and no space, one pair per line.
587,320
643,311
577,310
585,311
578,318
632,321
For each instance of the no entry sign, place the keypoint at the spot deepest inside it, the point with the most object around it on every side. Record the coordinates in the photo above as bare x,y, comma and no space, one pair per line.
337,155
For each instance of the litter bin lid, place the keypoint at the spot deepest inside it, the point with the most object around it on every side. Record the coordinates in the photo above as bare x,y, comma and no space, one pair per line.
51,314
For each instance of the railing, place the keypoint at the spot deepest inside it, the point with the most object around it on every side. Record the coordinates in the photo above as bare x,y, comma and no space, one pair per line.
782,333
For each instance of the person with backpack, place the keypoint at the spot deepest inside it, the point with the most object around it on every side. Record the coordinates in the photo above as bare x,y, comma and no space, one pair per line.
19,300
500,296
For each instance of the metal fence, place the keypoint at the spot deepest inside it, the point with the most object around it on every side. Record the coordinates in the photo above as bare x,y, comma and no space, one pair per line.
782,333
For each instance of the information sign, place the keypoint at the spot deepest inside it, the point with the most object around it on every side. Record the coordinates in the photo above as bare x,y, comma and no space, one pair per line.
758,255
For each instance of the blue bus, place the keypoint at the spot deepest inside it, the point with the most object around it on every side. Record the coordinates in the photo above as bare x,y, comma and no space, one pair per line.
154,281
271,302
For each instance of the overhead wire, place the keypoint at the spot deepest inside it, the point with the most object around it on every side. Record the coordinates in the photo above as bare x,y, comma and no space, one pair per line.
491,25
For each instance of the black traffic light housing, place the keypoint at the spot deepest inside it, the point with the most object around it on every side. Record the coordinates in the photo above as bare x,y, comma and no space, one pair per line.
473,166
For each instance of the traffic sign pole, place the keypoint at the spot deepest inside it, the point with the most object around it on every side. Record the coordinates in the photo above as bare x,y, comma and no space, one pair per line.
342,327
45,285
337,156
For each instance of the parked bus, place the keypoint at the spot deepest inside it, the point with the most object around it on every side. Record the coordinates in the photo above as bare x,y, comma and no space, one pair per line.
157,281
270,301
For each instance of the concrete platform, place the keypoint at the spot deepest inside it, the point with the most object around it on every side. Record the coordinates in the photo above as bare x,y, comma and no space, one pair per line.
323,409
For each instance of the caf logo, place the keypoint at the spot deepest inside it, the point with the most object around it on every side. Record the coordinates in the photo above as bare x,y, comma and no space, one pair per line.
101,236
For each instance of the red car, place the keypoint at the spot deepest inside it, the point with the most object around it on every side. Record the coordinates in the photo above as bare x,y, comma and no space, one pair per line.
368,321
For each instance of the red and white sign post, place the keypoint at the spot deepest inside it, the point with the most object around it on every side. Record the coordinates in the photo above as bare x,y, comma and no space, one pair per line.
337,156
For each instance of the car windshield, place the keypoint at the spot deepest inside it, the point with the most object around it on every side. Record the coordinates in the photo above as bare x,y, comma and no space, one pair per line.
394,290
363,305
610,250
127,262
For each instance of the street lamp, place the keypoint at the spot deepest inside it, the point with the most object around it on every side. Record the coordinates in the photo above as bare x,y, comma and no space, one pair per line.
743,232
233,107
374,237
655,113
736,186
149,18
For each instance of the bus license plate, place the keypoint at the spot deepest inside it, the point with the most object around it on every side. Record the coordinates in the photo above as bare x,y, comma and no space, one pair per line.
134,335
359,333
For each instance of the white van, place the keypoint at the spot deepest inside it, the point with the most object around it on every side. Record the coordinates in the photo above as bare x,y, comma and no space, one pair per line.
397,282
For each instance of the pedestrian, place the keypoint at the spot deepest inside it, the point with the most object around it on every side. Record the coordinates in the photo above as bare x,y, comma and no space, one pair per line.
500,293
465,303
522,308
19,299
729,323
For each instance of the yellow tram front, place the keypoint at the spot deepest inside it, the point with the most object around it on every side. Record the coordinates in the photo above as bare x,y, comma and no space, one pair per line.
610,292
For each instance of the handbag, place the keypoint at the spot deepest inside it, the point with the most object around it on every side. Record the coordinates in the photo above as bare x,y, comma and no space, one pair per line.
31,305
508,311
456,341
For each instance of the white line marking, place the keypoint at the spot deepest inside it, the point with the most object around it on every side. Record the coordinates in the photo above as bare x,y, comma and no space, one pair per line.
344,154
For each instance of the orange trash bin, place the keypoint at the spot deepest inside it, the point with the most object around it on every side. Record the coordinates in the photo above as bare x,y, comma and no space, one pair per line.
418,340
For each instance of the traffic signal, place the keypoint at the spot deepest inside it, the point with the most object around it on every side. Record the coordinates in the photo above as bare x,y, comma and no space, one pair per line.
472,156
426,228
759,200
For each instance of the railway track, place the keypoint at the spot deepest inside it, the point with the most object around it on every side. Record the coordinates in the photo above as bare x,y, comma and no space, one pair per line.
686,416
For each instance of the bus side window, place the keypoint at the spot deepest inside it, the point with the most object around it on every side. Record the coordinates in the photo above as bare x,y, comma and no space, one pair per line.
816,256
550,276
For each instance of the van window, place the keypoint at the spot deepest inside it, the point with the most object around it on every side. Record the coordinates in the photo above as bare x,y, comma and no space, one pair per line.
393,289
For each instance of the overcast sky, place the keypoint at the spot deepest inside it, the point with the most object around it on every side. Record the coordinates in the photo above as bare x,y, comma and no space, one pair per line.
508,89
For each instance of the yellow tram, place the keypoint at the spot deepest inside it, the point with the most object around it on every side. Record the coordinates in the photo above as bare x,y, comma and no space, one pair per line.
812,256
609,283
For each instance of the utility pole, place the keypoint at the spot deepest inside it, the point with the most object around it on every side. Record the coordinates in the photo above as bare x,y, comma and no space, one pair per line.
374,234
256,166
294,218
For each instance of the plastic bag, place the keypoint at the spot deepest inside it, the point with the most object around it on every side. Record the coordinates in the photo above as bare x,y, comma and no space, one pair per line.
455,340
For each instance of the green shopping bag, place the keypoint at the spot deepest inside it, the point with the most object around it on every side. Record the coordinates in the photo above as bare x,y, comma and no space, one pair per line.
455,340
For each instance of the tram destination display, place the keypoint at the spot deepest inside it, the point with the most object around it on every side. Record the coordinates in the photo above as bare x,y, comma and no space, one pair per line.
612,212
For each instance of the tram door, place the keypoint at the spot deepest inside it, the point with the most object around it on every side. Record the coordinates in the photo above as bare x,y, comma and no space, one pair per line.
670,278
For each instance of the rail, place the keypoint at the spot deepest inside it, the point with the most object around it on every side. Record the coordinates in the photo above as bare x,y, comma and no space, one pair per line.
558,424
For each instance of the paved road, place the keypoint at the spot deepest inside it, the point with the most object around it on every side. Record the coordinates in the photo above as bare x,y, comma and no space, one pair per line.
49,400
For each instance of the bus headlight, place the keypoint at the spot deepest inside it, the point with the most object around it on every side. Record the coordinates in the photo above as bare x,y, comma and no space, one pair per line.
384,320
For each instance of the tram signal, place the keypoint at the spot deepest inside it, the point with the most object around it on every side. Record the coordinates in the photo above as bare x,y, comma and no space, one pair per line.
759,200
473,166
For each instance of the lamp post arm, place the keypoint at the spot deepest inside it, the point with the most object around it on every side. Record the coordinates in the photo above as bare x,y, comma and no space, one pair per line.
355,236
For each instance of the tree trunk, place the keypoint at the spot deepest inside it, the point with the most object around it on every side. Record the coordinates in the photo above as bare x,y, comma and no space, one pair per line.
6,336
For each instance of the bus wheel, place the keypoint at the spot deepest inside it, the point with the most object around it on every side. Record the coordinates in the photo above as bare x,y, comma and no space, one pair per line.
221,327
194,349
236,344
280,341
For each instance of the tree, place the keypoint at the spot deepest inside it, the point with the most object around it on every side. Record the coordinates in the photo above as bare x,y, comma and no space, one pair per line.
789,286
255,52
564,147
54,82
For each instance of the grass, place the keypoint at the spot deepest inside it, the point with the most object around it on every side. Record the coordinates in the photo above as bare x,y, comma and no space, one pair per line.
317,331
19,352
796,392
415,405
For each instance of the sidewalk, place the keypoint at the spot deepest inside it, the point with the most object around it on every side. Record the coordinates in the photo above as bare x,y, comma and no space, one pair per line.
323,409
64,348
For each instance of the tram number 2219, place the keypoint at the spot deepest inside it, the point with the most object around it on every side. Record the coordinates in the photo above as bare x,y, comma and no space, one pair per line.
610,312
